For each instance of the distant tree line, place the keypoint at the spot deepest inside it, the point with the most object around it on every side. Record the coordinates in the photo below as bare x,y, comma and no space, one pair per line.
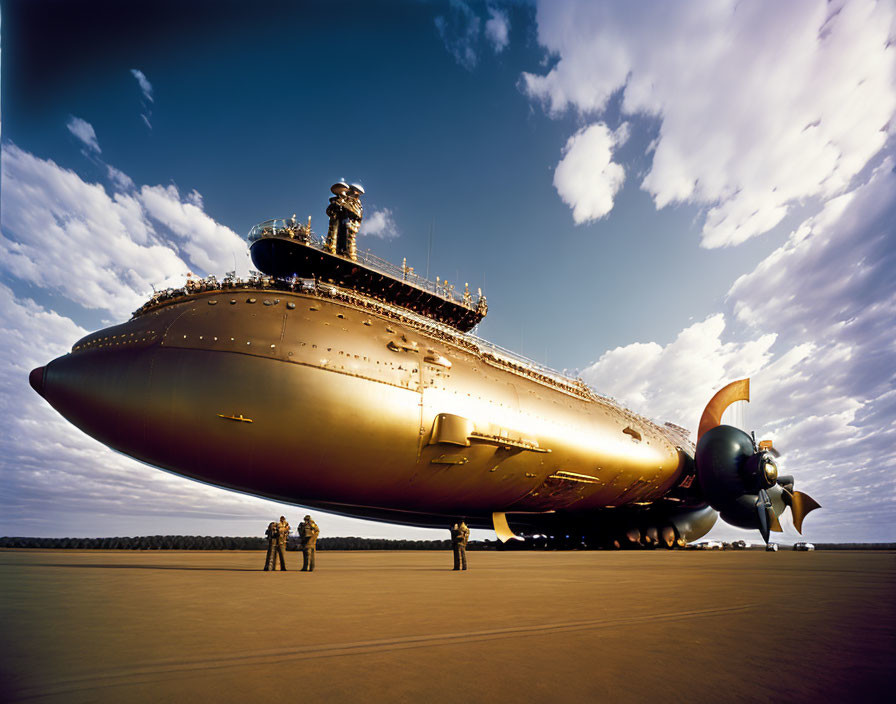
208,542
855,546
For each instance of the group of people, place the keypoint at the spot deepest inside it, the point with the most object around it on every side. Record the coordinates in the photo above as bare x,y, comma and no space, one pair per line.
278,533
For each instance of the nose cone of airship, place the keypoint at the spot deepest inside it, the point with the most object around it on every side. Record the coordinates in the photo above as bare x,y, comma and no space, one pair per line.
36,379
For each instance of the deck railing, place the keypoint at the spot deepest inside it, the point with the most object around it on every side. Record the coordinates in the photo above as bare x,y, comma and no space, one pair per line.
281,229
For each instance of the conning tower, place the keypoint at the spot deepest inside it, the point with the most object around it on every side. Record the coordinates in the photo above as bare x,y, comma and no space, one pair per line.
345,212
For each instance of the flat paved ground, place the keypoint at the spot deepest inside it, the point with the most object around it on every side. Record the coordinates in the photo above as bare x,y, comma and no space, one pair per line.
103,626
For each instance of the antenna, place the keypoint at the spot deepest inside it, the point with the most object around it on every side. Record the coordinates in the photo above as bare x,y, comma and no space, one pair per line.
432,226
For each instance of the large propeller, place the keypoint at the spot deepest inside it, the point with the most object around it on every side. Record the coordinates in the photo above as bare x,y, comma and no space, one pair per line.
738,476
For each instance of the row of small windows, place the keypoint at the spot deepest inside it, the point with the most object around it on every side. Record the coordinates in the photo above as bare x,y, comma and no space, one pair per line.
116,340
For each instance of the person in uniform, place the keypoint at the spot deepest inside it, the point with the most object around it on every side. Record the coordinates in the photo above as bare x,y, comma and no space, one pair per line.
308,532
282,537
273,535
460,534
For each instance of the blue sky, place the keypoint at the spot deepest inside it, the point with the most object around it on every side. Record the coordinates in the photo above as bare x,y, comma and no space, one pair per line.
660,198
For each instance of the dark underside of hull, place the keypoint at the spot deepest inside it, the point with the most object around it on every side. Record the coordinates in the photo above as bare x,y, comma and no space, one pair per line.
286,258
600,526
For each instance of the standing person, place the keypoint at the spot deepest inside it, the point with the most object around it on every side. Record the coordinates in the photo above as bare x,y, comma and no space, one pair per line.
273,536
460,534
282,537
308,532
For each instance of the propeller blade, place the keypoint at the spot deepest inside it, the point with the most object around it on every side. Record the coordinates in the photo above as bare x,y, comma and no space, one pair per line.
769,447
773,520
800,506
712,414
762,509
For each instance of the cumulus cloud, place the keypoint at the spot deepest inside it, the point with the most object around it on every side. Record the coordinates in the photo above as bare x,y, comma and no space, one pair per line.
84,131
587,178
812,326
380,223
760,105
208,245
497,28
102,251
146,90
460,31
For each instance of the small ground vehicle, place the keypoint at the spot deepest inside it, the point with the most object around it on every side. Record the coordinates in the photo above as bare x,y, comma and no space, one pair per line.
803,547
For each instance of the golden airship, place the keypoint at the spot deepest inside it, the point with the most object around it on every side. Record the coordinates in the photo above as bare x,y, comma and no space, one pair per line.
335,380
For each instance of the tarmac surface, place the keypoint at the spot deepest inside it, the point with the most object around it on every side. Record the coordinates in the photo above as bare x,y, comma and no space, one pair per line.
682,626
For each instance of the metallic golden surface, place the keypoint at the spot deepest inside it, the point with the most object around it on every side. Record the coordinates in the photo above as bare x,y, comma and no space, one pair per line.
724,397
770,471
354,409
502,529
800,506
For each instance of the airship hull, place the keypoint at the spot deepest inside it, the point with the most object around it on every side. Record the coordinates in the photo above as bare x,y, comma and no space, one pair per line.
325,398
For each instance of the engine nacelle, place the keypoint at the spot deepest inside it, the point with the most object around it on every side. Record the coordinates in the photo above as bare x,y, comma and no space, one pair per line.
732,472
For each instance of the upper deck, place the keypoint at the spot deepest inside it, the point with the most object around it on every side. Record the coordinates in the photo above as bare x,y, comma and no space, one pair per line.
285,249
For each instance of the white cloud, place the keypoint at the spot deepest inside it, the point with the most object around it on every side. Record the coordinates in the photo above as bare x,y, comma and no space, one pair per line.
460,31
145,85
587,178
146,89
119,179
83,130
380,223
208,245
102,251
822,381
761,105
497,28
674,382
